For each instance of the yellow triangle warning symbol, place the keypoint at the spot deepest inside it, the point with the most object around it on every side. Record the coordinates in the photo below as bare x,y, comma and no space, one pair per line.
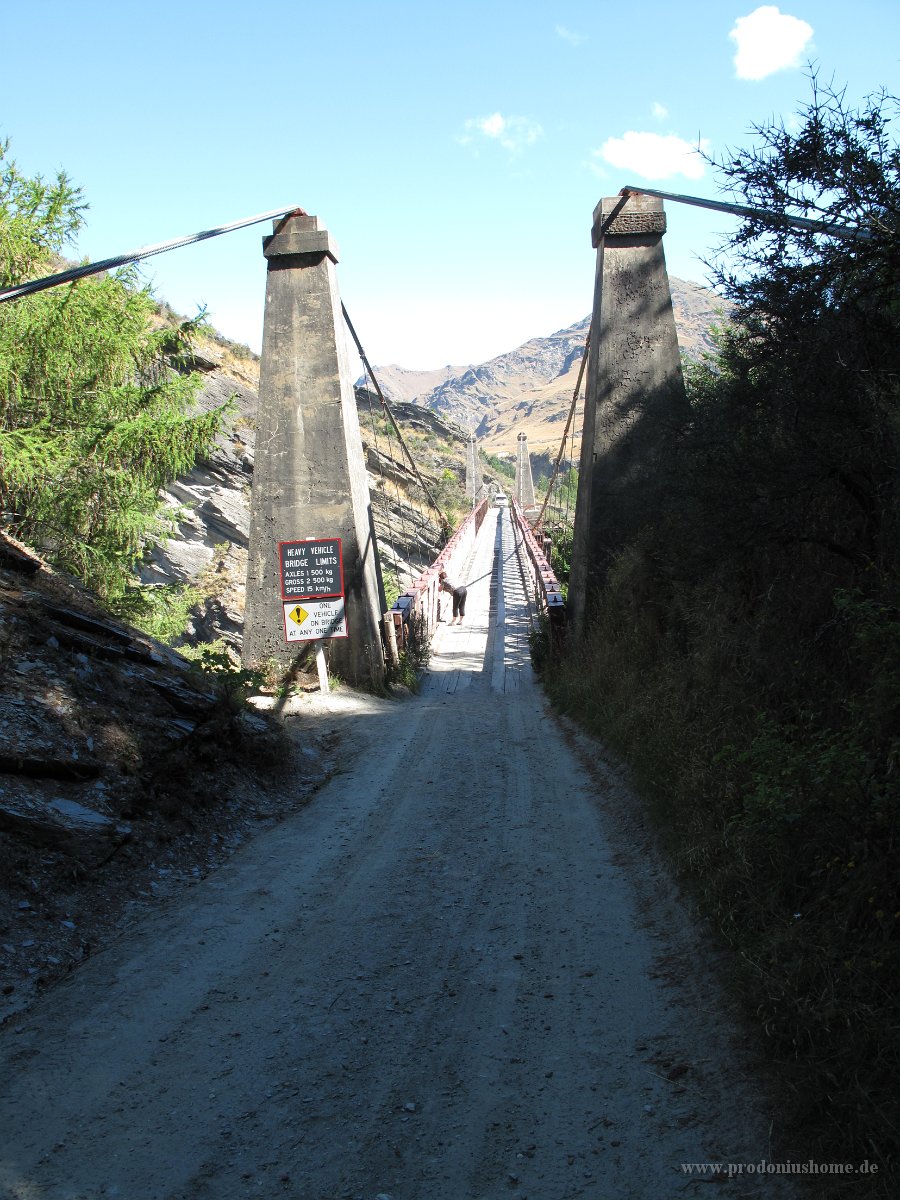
298,615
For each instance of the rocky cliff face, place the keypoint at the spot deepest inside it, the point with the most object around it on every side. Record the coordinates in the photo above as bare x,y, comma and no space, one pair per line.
211,505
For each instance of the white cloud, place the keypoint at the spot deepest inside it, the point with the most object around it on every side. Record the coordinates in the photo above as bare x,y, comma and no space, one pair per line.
768,41
659,111
653,155
512,133
492,126
574,39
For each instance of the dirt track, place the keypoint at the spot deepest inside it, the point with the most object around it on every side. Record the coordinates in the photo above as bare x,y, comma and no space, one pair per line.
454,975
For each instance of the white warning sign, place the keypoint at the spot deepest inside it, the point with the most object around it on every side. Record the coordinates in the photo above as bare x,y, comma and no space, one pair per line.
309,620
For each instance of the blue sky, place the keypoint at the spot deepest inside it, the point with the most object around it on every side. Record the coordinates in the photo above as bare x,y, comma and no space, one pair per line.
455,152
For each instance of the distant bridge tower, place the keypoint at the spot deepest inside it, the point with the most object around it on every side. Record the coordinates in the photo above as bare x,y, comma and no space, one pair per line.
635,390
524,482
309,479
474,481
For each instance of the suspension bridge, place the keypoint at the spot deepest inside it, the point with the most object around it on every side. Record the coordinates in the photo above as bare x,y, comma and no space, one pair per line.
311,498
315,580
311,490
456,971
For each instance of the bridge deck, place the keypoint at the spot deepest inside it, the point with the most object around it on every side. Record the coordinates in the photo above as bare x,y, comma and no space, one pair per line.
489,651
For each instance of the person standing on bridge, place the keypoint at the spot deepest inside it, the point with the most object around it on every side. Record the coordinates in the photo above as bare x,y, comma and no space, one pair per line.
459,598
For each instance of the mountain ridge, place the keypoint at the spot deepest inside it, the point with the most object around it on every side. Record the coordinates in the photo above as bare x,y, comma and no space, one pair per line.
529,389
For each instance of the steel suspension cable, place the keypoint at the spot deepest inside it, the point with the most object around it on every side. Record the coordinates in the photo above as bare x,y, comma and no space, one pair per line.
445,524
562,447
132,256
745,210
568,524
390,529
412,531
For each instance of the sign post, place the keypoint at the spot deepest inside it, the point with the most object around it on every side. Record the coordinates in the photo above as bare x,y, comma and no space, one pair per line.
312,595
324,685
313,567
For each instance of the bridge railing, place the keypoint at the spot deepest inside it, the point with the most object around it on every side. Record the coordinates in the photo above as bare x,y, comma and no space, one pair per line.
423,600
545,588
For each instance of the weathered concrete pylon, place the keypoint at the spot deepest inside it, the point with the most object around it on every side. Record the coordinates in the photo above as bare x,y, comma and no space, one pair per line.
309,479
524,481
635,390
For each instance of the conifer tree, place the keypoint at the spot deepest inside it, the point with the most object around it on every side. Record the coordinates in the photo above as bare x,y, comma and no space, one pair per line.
92,419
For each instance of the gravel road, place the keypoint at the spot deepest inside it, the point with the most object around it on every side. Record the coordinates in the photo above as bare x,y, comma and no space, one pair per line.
458,973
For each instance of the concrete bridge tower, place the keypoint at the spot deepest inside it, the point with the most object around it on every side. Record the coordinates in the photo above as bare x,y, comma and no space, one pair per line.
474,484
635,391
310,486
524,481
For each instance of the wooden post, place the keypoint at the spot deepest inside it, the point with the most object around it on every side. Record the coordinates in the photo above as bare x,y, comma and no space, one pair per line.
390,639
324,685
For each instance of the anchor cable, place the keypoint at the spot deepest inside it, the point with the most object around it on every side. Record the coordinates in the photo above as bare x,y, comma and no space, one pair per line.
391,537
754,214
73,274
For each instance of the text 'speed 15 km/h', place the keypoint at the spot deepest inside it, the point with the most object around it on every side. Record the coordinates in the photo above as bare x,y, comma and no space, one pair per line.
311,568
